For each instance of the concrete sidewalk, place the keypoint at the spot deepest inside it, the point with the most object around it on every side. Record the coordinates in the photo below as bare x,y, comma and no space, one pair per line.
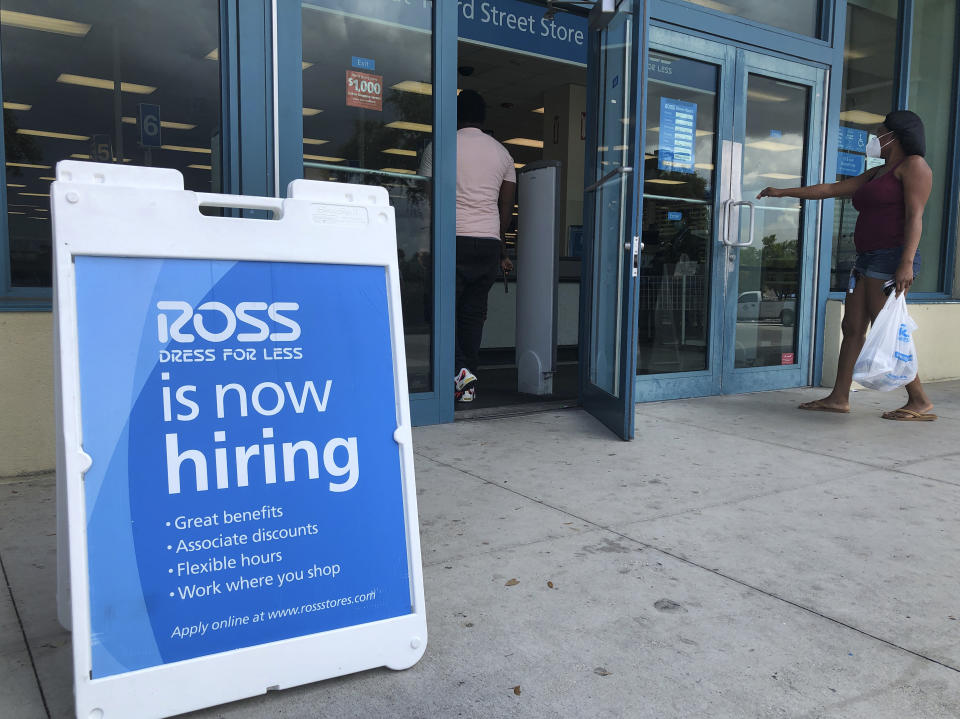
739,559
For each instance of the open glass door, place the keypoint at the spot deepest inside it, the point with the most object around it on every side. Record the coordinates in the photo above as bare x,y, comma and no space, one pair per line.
616,90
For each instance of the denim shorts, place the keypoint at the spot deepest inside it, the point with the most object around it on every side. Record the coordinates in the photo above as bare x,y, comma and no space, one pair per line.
880,264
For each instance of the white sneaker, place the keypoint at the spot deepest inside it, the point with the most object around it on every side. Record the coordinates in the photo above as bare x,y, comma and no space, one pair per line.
464,384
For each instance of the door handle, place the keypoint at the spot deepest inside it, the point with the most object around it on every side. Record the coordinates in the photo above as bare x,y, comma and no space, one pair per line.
728,218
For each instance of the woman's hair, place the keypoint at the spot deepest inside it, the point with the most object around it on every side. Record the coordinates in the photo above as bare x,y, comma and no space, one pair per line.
908,127
471,108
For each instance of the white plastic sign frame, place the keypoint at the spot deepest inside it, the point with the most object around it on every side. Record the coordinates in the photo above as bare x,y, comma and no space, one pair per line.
113,211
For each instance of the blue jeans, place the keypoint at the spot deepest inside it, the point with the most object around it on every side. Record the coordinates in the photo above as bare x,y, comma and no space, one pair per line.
880,264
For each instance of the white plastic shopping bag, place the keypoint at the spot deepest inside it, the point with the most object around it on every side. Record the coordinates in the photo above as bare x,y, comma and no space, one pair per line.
889,358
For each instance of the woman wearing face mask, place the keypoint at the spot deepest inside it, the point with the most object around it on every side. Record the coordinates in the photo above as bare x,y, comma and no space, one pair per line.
890,199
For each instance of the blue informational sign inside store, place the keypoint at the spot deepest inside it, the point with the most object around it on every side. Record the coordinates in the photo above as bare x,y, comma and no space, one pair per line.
849,165
148,121
852,139
674,216
678,135
510,24
245,484
363,63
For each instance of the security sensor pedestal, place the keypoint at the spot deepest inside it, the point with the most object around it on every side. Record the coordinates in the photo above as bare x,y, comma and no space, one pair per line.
538,264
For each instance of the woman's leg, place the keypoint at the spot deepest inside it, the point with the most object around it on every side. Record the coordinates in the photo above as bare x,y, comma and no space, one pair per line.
917,399
854,326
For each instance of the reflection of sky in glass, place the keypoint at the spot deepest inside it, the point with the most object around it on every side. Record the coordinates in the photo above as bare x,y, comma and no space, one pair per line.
798,16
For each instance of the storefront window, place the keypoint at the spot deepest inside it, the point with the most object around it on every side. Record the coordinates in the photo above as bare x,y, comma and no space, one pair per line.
75,79
870,57
799,16
368,119
931,78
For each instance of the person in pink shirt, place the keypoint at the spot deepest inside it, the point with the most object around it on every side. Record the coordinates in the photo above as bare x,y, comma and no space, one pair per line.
486,188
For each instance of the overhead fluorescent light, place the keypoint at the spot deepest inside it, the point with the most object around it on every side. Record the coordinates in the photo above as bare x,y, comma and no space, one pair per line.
10,184
313,141
42,219
184,148
666,182
780,176
398,170
324,158
519,165
771,146
415,86
854,54
538,110
34,194
41,209
861,117
414,126
28,165
200,167
101,84
398,151
524,142
765,96
163,123
44,24
704,165
80,156
15,212
311,111
305,65
213,54
16,106
56,135
48,179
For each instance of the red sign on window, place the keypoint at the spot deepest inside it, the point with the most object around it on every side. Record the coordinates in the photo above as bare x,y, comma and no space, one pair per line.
364,90
786,357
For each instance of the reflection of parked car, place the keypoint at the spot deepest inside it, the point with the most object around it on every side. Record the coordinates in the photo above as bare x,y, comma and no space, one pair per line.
753,307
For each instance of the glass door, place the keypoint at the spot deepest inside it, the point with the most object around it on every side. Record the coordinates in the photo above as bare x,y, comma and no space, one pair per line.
607,331
726,281
769,245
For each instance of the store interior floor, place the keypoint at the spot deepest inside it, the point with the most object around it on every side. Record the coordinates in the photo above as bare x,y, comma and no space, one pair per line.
497,389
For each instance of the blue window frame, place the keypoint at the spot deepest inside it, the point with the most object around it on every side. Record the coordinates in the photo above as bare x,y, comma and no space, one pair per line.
436,405
242,45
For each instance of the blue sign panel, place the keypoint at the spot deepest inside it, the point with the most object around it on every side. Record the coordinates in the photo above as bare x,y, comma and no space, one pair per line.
245,485
511,24
849,165
678,135
148,121
674,216
364,63
852,140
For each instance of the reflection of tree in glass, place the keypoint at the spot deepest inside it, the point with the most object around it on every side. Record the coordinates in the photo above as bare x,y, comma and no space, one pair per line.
372,136
20,148
777,263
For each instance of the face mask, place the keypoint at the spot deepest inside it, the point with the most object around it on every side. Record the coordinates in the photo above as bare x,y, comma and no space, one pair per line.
874,147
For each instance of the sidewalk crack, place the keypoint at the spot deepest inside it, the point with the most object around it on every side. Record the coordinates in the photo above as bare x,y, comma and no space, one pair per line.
23,633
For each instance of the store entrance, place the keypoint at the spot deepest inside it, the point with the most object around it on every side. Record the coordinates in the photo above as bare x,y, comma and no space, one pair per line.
536,107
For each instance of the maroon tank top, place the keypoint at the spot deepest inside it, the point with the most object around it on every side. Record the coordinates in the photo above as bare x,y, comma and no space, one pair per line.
881,221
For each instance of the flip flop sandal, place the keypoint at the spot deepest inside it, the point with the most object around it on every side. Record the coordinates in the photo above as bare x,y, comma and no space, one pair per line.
817,406
908,415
